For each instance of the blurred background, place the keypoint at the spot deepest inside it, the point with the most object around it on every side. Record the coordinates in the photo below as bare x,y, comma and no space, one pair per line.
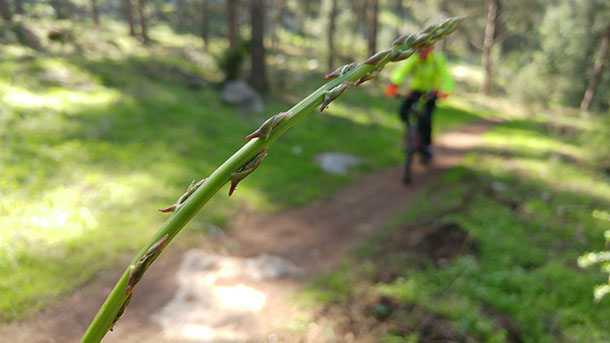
109,108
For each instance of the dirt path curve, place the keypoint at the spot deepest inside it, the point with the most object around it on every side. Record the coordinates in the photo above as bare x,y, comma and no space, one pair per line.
313,238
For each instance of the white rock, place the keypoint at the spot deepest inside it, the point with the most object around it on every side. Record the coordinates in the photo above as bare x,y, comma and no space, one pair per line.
240,93
217,296
337,163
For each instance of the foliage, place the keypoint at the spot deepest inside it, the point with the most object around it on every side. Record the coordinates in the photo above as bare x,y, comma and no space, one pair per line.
528,87
602,258
231,61
568,38
598,143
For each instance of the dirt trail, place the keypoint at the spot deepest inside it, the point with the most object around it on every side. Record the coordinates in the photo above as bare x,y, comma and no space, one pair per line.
314,238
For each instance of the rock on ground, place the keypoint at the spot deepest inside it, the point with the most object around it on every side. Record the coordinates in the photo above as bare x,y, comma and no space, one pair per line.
217,297
240,93
337,163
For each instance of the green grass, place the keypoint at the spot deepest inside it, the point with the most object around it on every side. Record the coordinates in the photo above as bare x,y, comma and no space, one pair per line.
528,232
95,139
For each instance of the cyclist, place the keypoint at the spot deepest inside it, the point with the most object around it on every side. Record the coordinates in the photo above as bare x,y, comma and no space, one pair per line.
429,81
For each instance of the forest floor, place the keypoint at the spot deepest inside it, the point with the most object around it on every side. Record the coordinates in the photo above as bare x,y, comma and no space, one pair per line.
86,139
314,239
483,247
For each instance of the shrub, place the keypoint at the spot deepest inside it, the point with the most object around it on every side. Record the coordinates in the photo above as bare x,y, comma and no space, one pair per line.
530,87
601,257
599,145
231,61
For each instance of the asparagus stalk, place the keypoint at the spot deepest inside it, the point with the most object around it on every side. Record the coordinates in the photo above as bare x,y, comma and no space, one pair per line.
246,160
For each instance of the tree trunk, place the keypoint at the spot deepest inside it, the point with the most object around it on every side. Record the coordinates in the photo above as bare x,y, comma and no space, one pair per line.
488,43
592,10
205,24
372,21
302,13
5,11
232,22
359,15
598,71
94,13
277,22
590,44
58,7
332,26
258,73
444,7
128,8
180,17
19,7
399,9
143,22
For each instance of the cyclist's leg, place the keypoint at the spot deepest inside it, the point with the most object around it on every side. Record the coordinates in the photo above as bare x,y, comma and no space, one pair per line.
424,127
407,105
405,111
410,150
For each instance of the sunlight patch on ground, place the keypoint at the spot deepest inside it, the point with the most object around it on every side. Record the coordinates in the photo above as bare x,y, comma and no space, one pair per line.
362,116
58,99
531,143
540,157
254,197
502,108
554,174
67,211
571,119
218,297
14,51
80,219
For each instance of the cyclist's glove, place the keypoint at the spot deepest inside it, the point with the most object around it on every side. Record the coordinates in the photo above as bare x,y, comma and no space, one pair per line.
391,90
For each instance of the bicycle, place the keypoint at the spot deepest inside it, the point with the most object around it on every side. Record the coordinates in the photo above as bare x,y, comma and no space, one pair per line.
412,139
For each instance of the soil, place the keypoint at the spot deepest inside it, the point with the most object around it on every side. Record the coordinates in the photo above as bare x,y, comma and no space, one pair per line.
314,238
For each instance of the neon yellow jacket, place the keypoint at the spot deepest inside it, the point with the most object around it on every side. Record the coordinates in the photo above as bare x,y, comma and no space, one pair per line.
425,75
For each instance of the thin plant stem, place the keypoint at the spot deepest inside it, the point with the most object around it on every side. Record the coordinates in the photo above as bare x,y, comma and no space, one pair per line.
246,160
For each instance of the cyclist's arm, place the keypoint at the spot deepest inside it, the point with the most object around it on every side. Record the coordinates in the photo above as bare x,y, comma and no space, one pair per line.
446,80
398,76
